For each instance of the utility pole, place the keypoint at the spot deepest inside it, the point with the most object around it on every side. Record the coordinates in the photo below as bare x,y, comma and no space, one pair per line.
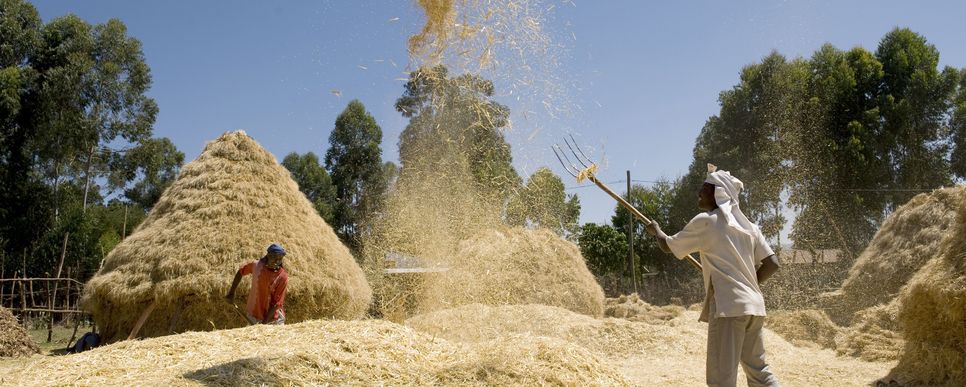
630,237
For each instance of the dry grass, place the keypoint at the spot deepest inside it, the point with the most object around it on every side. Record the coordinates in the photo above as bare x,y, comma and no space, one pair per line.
368,352
478,323
874,334
222,211
14,340
469,345
509,266
650,351
632,308
808,328
932,312
440,17
911,236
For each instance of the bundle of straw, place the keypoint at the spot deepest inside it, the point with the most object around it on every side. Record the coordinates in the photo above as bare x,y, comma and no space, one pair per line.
224,209
932,311
512,266
14,340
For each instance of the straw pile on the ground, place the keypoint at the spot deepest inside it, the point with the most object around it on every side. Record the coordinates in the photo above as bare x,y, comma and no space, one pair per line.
808,328
874,334
369,352
224,209
907,239
632,308
478,323
512,266
932,311
14,340
648,352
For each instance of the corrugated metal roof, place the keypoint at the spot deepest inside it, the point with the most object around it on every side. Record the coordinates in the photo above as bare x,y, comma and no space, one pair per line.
399,263
795,256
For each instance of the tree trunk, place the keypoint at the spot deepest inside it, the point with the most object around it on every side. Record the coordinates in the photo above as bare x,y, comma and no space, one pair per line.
53,295
87,183
50,313
57,191
124,226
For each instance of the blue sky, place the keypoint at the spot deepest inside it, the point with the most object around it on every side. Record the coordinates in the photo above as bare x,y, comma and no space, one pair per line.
641,76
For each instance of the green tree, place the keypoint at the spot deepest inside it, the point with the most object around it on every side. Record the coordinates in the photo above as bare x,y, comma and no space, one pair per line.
603,247
749,138
915,101
91,93
314,182
354,160
655,203
838,149
958,128
156,161
25,212
73,114
543,202
455,124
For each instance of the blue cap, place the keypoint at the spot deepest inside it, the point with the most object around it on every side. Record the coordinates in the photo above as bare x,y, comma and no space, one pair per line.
276,248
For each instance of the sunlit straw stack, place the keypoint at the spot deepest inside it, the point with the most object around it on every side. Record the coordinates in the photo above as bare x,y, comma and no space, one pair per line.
224,209
508,266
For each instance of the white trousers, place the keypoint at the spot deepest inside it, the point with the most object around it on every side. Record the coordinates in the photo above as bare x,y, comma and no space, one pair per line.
734,340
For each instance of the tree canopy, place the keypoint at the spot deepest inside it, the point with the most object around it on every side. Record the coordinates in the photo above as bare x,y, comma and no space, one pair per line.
75,130
354,160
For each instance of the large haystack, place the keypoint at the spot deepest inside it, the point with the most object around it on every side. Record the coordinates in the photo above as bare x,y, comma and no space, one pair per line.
517,266
224,209
14,340
368,352
907,239
932,312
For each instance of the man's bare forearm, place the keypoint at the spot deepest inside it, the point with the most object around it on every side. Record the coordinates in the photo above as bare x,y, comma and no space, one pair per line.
768,267
234,285
270,316
655,230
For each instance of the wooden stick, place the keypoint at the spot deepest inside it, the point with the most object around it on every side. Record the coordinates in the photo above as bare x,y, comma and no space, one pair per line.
52,296
48,310
73,335
23,304
76,282
3,273
635,212
176,318
50,320
144,317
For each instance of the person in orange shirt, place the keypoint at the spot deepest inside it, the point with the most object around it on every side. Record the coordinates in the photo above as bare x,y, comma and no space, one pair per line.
266,299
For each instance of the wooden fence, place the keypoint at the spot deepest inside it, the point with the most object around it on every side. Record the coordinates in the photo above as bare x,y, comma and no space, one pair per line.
51,300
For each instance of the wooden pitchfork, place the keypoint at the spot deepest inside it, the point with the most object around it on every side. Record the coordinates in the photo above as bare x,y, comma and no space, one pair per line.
588,171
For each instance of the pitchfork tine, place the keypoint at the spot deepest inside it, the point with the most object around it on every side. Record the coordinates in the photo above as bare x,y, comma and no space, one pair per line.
556,152
575,153
580,150
572,165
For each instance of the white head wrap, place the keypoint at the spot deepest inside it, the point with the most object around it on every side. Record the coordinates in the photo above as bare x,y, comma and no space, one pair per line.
726,190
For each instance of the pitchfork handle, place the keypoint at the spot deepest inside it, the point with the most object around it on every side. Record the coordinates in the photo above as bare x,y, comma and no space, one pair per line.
635,212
